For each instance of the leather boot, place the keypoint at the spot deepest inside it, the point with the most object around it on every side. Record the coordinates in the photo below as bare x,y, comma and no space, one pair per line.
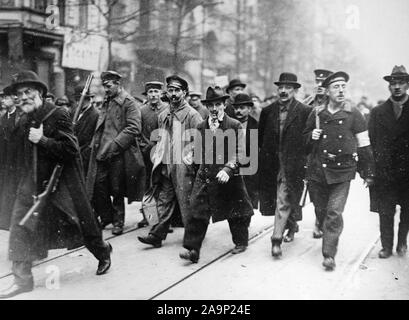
105,263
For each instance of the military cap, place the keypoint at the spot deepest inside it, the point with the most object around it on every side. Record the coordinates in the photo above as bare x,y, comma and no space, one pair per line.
110,75
153,85
195,94
336,76
177,82
322,74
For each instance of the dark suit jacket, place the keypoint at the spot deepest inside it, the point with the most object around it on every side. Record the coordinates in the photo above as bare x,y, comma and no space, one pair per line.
390,143
293,149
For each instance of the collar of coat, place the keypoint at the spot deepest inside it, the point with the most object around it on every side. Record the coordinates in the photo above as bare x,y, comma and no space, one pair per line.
181,112
121,97
347,107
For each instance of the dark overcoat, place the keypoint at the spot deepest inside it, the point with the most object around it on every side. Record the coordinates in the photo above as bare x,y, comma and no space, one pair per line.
293,150
209,197
390,144
128,123
9,167
69,215
251,181
84,131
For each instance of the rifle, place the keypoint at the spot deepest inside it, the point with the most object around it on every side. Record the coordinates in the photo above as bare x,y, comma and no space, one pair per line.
81,102
305,188
30,220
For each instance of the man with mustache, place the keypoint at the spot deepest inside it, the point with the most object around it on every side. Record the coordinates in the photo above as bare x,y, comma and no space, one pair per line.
335,142
282,160
243,105
389,134
172,177
219,191
45,139
114,170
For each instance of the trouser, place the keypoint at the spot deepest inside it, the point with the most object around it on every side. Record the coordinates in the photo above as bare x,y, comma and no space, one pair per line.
389,198
284,213
166,202
110,180
329,200
196,228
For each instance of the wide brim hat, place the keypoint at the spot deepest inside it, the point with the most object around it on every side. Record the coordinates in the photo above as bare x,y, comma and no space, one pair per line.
26,77
235,83
215,94
398,73
336,76
243,99
288,79
178,82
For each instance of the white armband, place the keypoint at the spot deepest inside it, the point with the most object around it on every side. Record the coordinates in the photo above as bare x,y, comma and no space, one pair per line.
363,139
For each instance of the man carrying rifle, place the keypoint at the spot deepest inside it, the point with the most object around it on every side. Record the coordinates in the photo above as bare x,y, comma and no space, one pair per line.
335,142
316,101
46,140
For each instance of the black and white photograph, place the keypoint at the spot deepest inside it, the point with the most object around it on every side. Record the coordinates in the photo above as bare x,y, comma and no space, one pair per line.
204,155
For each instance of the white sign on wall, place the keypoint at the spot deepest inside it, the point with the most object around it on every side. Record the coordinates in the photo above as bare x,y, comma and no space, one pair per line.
82,52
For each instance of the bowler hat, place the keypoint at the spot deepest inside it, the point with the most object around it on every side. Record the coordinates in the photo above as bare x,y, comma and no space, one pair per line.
235,83
110,75
398,73
336,76
78,91
322,74
27,77
178,82
242,99
215,94
288,78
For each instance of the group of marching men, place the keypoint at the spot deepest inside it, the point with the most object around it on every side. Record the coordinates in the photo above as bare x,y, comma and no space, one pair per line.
130,150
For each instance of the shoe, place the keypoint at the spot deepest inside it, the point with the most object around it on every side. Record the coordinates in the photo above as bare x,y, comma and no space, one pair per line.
329,263
151,239
317,233
401,249
143,223
117,230
16,289
290,234
104,264
385,253
238,249
191,255
170,230
276,251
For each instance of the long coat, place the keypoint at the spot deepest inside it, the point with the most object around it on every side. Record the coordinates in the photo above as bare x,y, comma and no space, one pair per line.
251,181
9,166
390,143
128,124
293,150
209,197
84,131
69,215
174,126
